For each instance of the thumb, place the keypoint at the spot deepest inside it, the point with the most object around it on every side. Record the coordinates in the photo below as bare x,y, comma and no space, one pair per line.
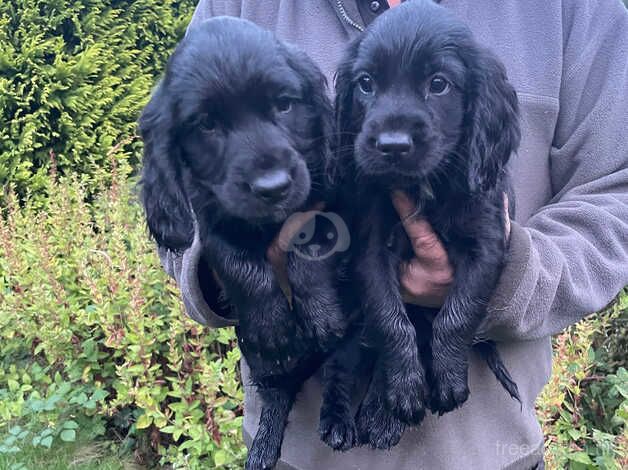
425,242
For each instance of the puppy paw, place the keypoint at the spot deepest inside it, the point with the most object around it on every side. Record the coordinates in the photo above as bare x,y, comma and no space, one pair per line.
338,432
277,344
448,393
406,395
376,426
262,457
323,321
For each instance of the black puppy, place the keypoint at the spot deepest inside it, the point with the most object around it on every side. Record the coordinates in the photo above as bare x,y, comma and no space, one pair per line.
236,140
423,108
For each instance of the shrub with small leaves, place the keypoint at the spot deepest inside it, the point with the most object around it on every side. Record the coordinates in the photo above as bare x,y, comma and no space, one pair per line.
92,328
584,408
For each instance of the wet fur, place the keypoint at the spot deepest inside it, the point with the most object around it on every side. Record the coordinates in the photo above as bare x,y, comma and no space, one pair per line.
212,124
456,176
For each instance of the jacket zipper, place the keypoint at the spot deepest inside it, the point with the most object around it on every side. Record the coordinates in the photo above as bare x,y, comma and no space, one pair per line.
345,16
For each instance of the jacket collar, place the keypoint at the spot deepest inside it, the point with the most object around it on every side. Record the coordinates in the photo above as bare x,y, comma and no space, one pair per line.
349,16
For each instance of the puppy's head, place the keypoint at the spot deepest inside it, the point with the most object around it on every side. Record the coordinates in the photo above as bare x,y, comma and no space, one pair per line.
239,123
417,96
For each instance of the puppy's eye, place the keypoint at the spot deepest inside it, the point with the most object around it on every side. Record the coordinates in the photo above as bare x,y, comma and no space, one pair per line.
283,104
208,124
366,84
439,85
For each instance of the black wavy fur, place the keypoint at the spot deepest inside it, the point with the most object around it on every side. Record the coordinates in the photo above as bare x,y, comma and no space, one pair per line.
235,106
418,79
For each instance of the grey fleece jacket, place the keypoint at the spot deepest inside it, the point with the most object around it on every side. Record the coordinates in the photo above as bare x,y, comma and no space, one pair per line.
569,243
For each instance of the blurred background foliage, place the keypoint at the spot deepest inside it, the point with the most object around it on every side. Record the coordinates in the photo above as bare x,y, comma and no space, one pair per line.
73,76
99,367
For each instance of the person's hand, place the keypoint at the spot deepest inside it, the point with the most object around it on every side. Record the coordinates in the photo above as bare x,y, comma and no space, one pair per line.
426,278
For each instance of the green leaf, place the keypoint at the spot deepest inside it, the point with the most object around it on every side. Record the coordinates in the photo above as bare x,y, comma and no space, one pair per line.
50,404
46,442
580,457
160,421
143,422
79,399
68,435
89,405
221,457
70,424
37,405
100,394
13,385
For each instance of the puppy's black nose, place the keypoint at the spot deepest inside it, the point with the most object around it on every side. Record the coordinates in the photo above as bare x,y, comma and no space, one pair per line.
272,186
393,143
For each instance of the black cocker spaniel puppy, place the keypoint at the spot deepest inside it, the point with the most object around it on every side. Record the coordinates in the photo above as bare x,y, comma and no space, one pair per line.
237,139
421,107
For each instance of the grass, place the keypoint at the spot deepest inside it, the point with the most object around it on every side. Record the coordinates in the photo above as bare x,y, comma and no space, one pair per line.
83,455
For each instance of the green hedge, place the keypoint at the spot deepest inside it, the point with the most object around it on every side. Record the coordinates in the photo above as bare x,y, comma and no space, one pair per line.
93,336
74,75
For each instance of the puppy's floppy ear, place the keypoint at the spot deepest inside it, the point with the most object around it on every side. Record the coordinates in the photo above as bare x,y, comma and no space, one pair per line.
491,122
167,209
344,114
316,91
316,87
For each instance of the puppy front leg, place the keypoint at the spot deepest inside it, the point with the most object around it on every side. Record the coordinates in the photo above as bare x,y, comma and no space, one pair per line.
267,328
266,447
453,330
337,426
376,425
399,373
315,299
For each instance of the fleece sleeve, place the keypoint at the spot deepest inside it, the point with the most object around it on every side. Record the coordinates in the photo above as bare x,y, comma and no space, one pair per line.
199,291
571,257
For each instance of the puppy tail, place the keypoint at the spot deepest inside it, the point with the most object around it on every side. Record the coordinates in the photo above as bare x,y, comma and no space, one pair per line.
488,351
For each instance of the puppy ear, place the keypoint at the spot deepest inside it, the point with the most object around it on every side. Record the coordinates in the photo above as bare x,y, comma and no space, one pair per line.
492,121
317,94
343,107
165,204
316,88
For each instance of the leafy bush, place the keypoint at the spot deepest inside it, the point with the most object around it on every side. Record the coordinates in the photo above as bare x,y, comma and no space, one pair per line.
92,335
93,339
584,408
73,76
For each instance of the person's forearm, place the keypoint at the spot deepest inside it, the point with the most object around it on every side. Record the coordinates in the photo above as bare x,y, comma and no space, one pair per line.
569,261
